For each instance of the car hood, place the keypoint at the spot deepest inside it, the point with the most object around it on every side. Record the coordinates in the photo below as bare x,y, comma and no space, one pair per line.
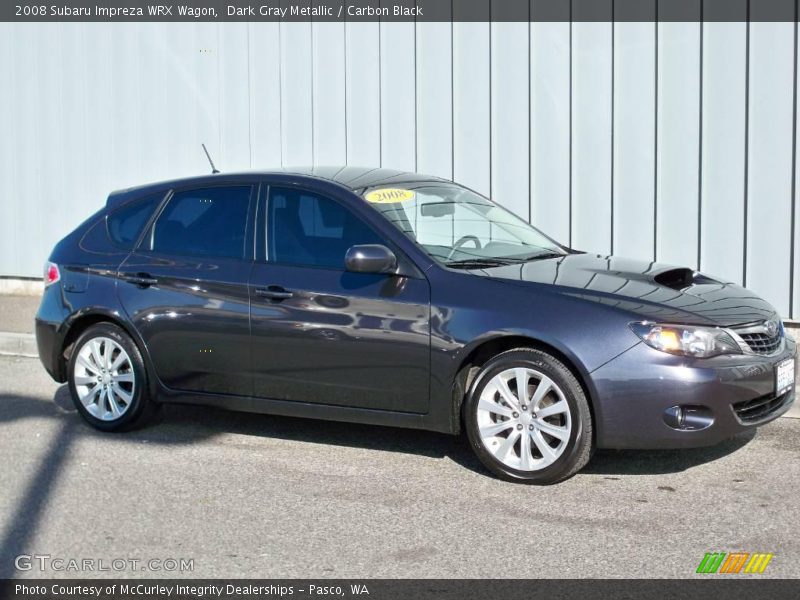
652,291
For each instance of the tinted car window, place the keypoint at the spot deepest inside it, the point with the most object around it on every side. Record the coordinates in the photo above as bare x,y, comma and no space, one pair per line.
125,224
307,229
204,222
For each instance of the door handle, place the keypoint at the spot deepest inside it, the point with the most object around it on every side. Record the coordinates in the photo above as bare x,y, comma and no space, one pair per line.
141,279
274,292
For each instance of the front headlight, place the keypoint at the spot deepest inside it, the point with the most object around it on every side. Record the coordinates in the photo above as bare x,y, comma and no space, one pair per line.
686,340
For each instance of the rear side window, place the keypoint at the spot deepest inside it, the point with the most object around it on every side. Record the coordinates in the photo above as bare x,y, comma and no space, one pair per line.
306,229
204,222
125,224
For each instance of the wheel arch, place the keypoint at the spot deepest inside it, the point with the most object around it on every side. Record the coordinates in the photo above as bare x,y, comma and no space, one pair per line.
80,323
486,349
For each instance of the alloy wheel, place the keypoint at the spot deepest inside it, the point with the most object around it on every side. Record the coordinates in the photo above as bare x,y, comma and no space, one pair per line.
104,378
524,419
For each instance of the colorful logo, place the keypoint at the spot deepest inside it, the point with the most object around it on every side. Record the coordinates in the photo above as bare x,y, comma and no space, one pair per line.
734,562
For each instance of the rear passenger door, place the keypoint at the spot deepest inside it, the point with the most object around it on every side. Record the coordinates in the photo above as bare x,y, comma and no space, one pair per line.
185,288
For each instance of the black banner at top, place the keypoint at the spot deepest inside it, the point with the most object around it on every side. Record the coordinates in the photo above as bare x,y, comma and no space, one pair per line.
398,10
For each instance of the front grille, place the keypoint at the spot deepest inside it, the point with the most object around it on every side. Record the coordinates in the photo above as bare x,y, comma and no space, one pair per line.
762,343
757,409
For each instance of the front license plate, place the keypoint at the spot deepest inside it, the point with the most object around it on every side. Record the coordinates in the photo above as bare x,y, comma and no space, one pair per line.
784,376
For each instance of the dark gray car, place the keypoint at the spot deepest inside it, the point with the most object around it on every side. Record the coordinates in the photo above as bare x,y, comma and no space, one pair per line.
393,298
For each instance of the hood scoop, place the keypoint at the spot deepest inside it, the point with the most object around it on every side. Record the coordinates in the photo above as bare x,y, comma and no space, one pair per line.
682,278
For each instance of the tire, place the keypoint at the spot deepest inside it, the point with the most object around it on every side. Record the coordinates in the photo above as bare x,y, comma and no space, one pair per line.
511,440
108,379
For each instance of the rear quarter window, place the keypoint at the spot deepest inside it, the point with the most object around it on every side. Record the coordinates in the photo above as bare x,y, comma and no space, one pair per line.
125,224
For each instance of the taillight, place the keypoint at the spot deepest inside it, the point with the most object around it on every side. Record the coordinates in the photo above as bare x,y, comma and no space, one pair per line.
51,273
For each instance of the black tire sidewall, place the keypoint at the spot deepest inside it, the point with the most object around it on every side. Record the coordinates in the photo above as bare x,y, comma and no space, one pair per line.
573,393
140,395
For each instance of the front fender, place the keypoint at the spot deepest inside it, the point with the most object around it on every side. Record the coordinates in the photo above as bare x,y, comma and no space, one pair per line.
470,312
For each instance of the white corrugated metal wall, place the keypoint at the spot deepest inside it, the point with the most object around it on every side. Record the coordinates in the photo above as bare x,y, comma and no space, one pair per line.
674,142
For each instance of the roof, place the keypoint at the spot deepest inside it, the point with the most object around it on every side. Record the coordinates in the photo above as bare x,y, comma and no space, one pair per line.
352,178
356,178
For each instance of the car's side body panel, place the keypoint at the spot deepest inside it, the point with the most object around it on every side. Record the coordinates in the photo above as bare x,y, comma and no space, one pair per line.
194,318
348,339
195,321
459,326
88,262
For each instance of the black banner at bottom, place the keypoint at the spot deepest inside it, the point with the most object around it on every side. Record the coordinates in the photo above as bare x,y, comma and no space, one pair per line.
379,589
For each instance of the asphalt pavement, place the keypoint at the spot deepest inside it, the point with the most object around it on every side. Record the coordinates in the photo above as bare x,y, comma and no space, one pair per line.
259,496
17,313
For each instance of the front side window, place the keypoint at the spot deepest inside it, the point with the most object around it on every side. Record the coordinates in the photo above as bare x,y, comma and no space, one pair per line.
304,228
204,222
125,224
458,227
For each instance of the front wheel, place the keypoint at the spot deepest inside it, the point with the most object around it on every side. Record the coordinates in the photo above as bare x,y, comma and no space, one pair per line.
527,418
108,379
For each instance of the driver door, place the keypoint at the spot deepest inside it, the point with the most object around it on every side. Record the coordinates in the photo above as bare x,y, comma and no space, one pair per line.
321,334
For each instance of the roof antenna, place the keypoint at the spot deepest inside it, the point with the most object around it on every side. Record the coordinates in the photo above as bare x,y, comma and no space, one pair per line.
214,170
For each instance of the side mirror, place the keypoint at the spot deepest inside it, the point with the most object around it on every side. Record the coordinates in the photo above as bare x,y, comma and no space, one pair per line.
370,258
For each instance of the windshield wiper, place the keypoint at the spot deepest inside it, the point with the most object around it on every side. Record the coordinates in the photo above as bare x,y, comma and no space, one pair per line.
542,256
479,263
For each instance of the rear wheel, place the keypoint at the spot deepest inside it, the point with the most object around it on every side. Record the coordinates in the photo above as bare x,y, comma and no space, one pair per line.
527,418
108,379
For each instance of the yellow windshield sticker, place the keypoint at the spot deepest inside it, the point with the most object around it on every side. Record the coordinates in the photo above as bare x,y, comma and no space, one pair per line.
389,196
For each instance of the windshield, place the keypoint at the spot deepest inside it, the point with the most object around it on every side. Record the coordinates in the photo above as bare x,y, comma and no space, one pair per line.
460,228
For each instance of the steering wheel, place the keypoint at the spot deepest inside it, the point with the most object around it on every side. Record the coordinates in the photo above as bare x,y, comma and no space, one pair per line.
463,240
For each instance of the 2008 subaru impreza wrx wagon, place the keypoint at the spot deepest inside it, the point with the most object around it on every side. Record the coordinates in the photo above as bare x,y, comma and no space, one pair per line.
392,298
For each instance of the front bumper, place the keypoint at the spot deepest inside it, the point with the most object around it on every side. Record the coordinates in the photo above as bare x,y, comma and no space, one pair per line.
634,391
